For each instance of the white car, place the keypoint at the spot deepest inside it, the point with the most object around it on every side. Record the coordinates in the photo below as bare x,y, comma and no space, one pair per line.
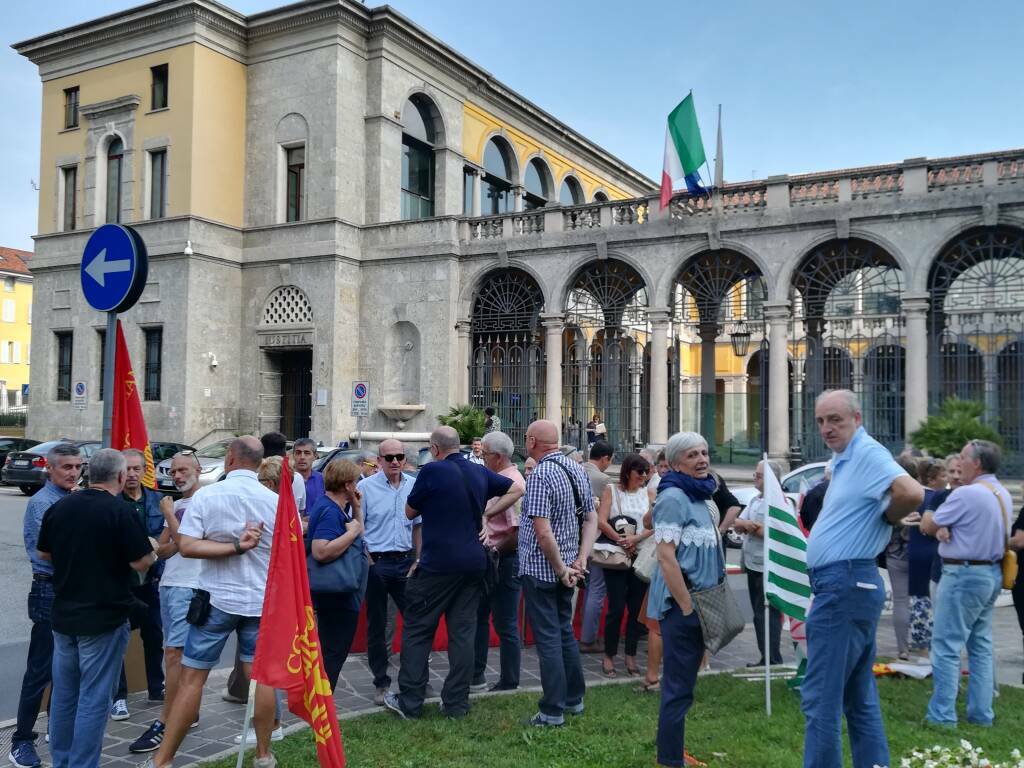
801,479
211,467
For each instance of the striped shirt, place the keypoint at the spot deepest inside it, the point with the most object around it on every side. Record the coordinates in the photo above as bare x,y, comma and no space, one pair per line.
549,495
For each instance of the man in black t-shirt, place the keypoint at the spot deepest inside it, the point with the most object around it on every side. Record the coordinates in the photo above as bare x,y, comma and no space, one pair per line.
94,541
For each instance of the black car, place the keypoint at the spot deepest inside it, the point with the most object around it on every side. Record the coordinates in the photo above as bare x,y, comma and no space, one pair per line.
8,444
27,469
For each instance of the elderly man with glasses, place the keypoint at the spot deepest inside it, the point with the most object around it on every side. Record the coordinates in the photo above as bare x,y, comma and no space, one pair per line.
394,544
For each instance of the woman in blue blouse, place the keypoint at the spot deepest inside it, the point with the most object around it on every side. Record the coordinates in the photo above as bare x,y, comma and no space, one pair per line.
335,524
690,559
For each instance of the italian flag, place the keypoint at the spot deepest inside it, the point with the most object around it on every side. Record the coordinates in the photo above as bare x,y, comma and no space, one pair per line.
787,585
684,151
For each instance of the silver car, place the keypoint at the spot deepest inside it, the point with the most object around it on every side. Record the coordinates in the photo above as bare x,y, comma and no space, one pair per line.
793,483
211,467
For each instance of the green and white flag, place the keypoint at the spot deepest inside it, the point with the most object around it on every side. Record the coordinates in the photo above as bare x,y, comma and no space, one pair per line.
787,585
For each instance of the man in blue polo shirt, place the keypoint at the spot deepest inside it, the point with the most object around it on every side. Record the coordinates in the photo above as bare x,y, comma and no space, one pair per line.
868,494
449,496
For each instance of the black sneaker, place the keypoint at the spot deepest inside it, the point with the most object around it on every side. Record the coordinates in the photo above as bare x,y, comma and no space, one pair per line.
156,698
478,686
539,721
502,687
392,703
150,741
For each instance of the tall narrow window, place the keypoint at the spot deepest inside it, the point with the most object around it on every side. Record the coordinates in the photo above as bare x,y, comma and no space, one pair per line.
536,183
9,310
158,184
70,211
296,159
154,357
64,344
418,137
497,184
159,88
115,160
71,107
467,191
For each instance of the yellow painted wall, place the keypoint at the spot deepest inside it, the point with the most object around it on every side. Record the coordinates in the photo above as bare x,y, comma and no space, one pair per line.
478,124
205,122
218,130
19,332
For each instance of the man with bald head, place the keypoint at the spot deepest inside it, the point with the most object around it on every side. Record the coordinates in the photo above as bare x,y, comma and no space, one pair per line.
393,541
557,528
868,494
449,496
230,525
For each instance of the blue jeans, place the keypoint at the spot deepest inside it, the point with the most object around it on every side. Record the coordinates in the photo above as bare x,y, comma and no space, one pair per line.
592,606
683,641
39,662
841,628
503,605
963,616
85,668
549,608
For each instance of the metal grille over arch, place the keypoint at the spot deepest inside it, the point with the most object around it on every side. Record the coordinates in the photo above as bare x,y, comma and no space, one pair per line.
847,332
506,367
603,354
976,290
718,304
287,305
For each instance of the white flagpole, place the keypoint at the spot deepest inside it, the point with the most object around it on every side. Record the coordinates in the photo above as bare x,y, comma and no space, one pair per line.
764,591
249,706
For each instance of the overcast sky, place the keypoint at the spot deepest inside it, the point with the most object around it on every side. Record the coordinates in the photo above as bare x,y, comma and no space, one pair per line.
804,86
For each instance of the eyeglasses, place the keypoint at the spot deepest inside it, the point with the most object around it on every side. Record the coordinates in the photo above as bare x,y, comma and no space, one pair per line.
189,452
389,457
369,465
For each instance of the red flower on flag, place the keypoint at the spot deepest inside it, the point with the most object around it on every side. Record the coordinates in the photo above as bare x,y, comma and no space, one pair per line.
288,655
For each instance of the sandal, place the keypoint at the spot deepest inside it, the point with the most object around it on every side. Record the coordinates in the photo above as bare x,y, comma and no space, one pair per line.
608,672
646,686
689,759
632,670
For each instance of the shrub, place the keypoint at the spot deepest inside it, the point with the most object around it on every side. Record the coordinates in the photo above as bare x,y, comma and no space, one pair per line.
467,420
947,431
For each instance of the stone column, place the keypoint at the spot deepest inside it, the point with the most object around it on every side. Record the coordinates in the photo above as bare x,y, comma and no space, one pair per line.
708,333
777,316
553,327
462,332
477,192
517,198
658,402
915,310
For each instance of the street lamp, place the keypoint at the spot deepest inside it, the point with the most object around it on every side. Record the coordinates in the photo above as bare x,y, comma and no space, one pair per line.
740,339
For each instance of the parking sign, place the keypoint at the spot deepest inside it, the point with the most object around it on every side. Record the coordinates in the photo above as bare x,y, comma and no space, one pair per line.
360,398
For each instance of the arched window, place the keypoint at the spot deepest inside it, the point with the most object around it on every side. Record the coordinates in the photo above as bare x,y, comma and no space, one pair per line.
115,161
418,138
536,182
497,182
570,193
600,197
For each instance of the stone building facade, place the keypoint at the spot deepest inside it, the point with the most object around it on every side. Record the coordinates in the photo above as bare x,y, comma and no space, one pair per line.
348,198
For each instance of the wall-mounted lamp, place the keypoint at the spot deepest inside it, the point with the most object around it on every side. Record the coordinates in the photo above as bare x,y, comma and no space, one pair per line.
188,248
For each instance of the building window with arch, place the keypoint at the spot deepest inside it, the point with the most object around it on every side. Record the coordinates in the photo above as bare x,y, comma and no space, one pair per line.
600,197
115,165
295,164
535,180
418,139
496,184
570,192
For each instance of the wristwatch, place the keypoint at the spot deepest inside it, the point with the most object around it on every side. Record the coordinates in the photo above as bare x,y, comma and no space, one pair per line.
238,546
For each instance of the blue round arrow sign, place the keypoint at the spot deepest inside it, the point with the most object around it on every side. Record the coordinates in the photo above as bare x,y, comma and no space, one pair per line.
114,268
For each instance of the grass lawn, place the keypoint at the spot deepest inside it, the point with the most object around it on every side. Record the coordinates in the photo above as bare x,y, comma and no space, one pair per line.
726,727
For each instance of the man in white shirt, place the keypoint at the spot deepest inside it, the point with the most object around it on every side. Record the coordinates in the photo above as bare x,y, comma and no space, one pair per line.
230,525
177,585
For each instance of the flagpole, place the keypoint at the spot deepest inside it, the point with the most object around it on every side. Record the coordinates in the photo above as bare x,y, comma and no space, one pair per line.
249,706
764,591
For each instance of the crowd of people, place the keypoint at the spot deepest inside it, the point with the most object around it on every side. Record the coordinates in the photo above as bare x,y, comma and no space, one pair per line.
469,538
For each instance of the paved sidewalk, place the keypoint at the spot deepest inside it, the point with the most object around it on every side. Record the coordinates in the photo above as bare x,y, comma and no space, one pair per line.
220,721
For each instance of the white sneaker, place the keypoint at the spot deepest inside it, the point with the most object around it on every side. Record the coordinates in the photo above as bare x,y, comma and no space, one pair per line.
119,710
250,737
264,762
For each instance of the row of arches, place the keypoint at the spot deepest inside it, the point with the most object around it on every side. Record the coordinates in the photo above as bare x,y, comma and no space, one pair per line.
846,327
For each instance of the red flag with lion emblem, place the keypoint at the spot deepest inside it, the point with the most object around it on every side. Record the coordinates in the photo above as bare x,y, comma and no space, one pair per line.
288,655
128,427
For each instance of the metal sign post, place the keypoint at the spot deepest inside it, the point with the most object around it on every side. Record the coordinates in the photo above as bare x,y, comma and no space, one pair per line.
360,407
114,269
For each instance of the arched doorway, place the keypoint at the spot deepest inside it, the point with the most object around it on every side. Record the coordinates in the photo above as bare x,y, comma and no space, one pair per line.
846,298
603,352
506,368
976,287
286,339
718,308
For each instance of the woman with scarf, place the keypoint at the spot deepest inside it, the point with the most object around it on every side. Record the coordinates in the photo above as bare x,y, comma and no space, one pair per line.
690,559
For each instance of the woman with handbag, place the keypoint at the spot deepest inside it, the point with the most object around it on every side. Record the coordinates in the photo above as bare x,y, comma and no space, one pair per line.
625,503
690,560
335,526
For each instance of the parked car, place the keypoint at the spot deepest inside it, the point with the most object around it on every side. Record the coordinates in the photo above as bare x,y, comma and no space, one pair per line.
163,451
793,484
8,444
352,454
27,469
211,466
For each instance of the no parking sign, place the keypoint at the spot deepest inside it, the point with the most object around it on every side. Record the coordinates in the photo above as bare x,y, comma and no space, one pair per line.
360,398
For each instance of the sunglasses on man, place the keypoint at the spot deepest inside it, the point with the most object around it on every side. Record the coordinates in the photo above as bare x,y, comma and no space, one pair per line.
389,457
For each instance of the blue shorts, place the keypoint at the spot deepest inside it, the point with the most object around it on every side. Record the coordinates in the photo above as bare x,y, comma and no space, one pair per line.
173,610
204,644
